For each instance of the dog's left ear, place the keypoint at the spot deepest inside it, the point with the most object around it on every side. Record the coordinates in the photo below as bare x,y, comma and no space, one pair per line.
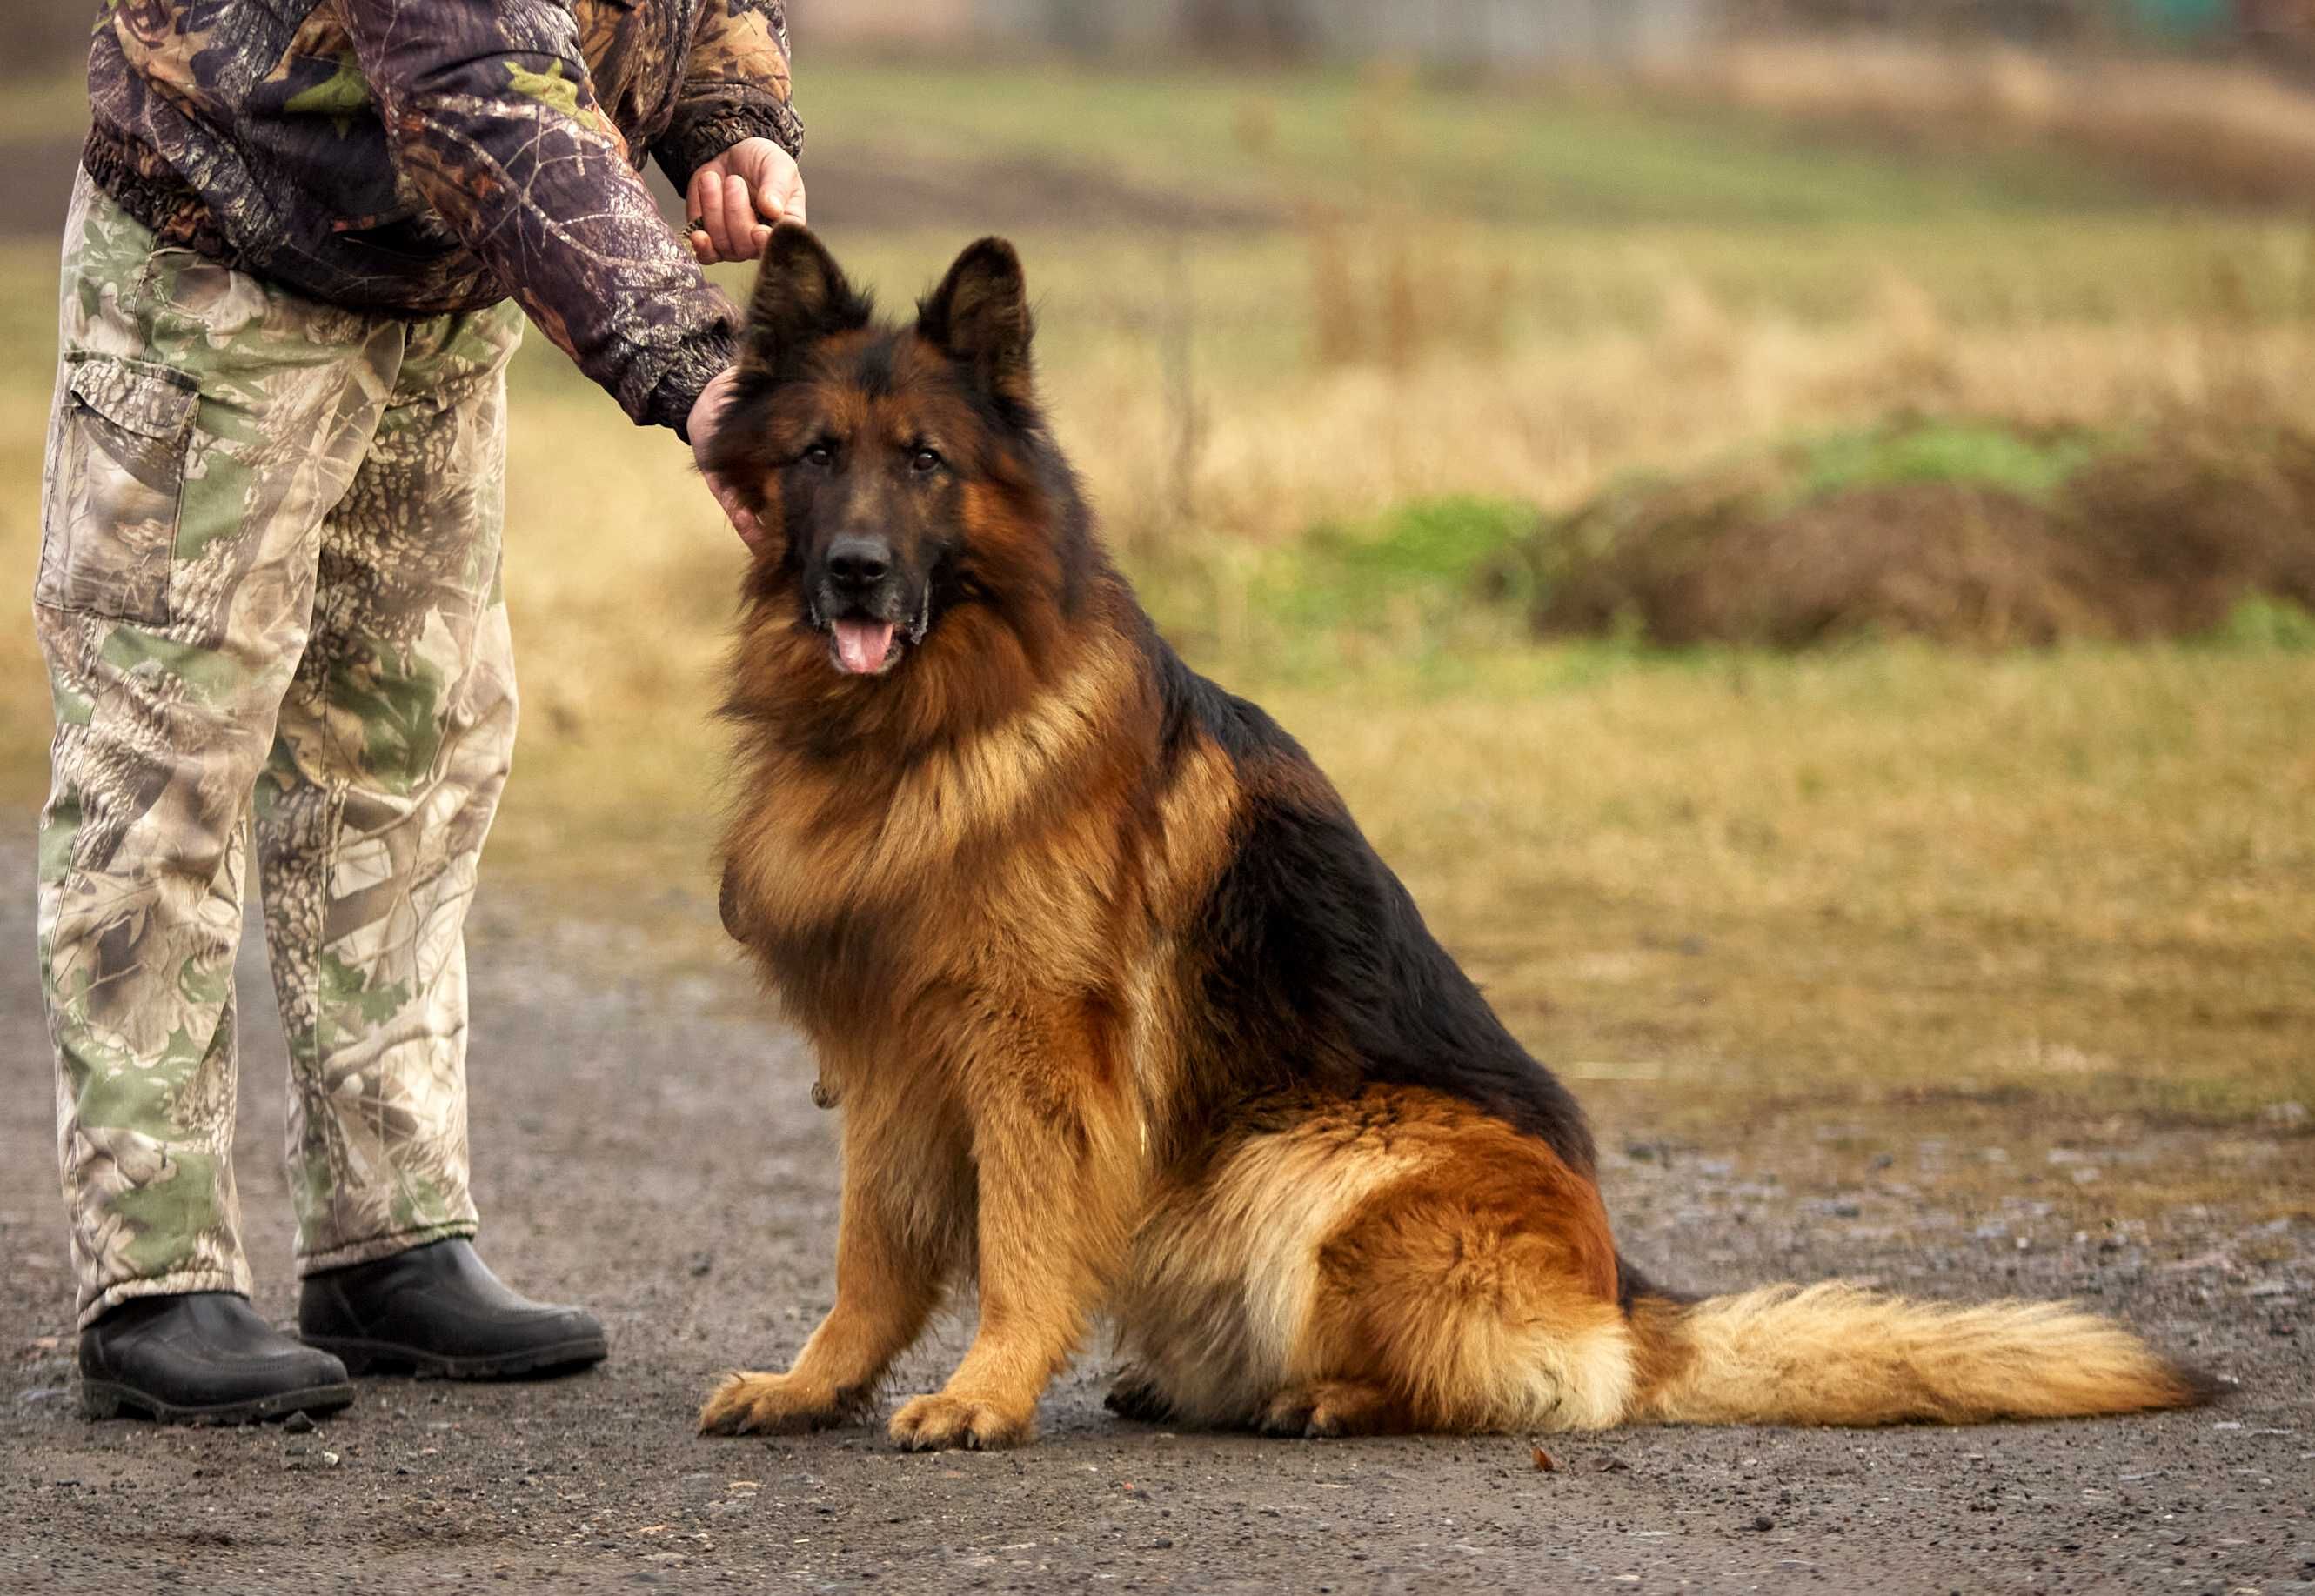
980,315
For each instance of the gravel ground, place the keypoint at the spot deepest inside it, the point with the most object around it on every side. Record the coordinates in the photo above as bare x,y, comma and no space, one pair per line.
650,1149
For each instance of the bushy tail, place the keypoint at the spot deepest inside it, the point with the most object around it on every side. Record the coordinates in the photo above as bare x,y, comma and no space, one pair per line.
1842,1354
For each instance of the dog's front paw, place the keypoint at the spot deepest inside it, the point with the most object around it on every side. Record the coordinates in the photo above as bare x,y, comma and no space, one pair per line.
768,1405
941,1422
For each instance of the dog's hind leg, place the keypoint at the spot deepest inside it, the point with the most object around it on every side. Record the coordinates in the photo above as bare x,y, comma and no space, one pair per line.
1389,1263
1215,1305
1459,1304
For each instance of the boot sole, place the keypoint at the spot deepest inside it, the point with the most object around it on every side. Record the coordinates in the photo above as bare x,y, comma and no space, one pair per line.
107,1400
385,1357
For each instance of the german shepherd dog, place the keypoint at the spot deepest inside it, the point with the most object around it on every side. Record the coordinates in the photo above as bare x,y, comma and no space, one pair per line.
1123,1014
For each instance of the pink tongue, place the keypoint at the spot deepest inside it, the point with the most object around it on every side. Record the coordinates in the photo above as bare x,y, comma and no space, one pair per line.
861,645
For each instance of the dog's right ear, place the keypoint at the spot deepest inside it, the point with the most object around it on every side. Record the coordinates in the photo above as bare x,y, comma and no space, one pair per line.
980,315
800,297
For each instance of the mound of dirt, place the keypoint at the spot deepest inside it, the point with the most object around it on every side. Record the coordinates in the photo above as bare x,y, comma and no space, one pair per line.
2154,540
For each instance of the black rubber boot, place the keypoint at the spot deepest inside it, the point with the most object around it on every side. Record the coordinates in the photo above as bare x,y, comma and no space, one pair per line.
203,1358
437,1311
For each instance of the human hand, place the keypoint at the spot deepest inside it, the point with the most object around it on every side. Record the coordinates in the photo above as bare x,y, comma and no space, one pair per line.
706,416
734,200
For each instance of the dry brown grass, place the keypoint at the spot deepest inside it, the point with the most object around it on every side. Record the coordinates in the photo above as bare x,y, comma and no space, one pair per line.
1552,418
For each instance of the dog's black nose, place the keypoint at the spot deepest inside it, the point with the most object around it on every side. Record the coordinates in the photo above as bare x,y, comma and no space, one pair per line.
857,561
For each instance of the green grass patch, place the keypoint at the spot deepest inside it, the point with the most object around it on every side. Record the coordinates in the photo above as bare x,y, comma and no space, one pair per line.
1402,591
2032,464
2261,623
1425,554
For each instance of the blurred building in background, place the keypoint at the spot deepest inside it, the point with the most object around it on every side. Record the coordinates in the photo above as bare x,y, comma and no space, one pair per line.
1521,35
2157,22
1514,35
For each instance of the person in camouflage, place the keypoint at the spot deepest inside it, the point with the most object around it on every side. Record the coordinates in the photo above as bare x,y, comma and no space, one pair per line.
269,598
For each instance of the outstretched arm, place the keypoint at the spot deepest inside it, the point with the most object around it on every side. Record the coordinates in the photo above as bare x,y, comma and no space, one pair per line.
490,115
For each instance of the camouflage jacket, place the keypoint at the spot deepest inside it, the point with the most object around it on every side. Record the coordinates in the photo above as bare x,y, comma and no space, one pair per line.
418,156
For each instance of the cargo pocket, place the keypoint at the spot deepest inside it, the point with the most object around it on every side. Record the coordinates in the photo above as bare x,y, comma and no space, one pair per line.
110,529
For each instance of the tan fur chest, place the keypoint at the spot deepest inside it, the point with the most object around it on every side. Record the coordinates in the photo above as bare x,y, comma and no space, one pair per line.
979,863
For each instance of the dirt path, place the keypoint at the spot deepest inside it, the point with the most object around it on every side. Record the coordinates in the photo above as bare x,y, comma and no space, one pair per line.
654,1153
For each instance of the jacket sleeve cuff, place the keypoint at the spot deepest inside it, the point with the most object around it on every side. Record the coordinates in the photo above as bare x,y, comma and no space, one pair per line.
737,113
687,376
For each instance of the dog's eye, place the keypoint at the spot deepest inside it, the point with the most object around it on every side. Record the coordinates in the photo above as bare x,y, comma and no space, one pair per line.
924,460
820,453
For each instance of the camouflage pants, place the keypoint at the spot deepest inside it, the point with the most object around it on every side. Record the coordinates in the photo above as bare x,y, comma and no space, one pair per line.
269,599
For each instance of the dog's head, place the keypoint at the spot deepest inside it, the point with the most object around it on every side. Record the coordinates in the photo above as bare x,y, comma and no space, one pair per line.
901,473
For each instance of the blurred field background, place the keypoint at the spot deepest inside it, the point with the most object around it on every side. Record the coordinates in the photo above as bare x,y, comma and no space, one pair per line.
1792,526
